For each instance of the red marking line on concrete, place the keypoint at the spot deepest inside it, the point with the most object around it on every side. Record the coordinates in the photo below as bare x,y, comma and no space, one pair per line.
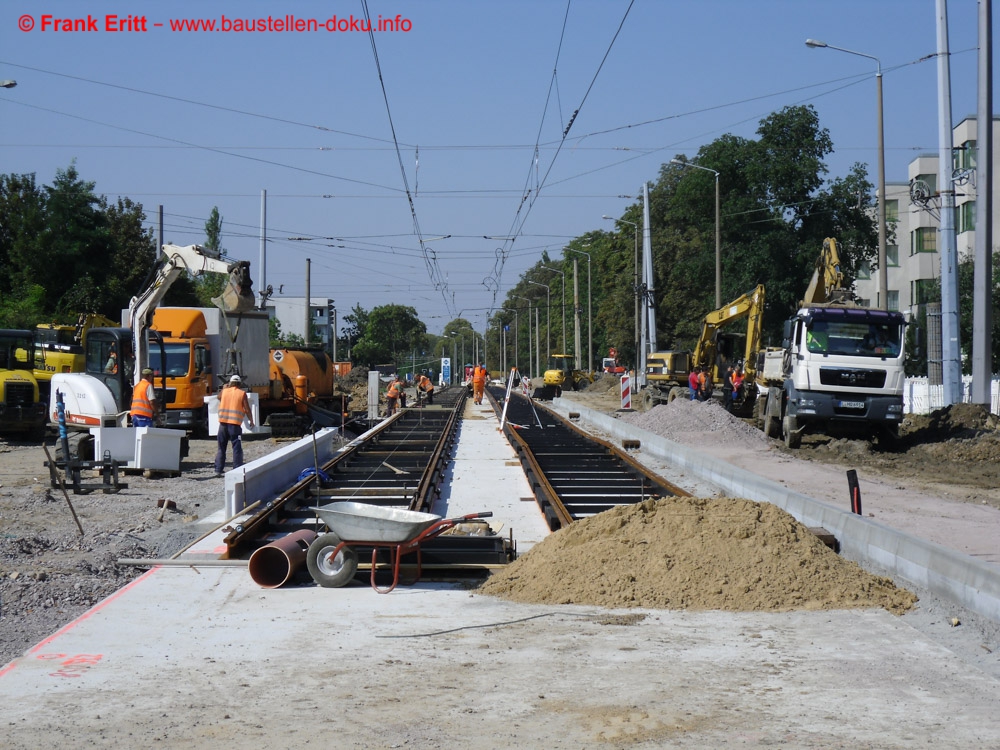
85,616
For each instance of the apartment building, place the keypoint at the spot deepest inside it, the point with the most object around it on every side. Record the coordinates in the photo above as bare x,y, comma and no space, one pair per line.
291,314
912,251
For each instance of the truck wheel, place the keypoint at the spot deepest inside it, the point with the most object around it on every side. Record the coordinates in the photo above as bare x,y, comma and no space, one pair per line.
326,572
792,438
676,393
648,400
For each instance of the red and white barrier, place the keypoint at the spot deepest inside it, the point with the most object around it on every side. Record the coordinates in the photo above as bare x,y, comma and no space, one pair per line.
626,392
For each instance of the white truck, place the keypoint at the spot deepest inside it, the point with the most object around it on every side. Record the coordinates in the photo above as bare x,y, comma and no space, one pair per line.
839,369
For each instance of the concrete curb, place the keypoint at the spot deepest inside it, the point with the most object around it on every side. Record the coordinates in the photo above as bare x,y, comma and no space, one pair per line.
945,572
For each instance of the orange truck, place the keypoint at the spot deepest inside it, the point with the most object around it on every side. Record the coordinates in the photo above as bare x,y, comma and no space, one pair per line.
201,348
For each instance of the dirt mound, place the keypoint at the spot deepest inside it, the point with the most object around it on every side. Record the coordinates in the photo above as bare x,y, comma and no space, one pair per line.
603,384
955,421
689,553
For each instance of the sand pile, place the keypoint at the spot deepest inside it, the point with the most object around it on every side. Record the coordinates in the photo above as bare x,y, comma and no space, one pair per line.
689,553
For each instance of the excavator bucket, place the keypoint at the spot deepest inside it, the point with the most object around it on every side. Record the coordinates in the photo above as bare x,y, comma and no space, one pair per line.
238,295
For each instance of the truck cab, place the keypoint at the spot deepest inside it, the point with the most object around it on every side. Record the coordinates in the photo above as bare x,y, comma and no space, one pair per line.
185,361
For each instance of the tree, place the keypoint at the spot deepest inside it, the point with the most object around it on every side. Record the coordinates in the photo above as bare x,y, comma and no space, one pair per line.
966,279
211,285
133,254
391,331
354,326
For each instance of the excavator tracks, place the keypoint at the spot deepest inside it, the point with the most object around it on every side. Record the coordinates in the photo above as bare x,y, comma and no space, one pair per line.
574,475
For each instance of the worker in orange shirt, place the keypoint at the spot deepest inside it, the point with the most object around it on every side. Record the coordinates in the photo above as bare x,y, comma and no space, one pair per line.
478,382
234,408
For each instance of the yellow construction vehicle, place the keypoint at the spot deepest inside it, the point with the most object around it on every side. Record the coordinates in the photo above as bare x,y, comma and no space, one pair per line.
59,348
21,410
667,372
561,374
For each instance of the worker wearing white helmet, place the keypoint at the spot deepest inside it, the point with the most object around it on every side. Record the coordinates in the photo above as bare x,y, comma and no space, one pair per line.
234,407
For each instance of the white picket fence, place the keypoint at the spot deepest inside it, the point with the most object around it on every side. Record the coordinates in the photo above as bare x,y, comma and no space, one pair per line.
919,397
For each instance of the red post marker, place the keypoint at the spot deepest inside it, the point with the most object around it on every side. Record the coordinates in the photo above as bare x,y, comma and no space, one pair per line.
852,483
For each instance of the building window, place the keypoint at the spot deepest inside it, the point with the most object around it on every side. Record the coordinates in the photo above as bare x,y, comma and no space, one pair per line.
863,302
923,240
930,180
921,291
965,217
892,210
892,256
893,300
864,270
964,157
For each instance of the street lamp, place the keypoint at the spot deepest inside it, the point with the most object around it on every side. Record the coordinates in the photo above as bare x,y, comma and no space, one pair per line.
635,287
883,277
565,346
718,246
548,319
590,314
516,355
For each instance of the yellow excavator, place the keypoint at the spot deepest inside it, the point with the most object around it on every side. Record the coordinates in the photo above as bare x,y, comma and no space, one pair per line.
561,374
667,372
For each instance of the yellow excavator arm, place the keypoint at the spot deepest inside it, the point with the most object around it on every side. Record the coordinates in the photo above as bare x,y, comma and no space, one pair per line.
750,306
827,283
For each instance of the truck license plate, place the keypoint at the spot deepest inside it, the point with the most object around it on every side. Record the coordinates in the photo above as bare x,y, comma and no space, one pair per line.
852,404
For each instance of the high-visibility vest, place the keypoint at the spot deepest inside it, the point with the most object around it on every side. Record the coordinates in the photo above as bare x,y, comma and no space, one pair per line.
393,391
141,405
425,384
231,405
479,374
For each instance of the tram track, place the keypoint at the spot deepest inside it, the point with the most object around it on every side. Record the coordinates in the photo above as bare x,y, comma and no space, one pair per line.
573,475
398,464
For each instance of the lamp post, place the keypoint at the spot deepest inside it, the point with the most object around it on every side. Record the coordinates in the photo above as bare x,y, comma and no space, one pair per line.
883,277
529,334
590,313
548,319
565,345
718,234
638,344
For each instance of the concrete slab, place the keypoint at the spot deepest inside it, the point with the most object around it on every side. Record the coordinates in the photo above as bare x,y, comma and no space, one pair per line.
184,658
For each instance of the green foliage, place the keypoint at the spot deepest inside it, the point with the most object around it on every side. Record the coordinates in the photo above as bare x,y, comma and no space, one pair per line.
391,332
966,279
775,210
64,250
210,285
274,332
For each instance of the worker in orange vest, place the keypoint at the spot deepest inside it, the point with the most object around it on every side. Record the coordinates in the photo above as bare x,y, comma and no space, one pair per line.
478,382
424,384
392,396
234,407
143,408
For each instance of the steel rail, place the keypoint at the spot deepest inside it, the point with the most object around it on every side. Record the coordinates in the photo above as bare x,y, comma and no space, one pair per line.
574,474
381,469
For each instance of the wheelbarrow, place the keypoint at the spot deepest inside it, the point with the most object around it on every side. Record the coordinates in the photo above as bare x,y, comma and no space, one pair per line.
332,559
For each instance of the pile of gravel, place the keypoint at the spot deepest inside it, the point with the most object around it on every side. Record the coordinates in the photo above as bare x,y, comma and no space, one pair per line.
698,423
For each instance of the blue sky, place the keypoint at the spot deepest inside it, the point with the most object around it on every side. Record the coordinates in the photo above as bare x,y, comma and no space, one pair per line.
471,88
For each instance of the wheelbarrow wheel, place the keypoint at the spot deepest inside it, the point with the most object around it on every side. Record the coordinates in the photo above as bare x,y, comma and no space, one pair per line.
326,572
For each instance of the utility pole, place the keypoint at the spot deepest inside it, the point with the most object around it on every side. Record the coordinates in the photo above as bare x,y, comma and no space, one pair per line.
576,311
308,292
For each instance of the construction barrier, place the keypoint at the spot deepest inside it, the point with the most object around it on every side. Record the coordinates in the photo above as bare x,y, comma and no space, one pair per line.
626,392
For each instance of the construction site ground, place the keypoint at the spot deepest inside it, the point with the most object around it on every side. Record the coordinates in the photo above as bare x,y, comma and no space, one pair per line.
184,657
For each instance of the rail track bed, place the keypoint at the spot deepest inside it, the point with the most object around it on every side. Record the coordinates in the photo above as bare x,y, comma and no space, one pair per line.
572,474
399,464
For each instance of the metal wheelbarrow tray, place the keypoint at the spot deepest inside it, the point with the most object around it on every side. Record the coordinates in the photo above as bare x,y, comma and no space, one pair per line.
332,559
